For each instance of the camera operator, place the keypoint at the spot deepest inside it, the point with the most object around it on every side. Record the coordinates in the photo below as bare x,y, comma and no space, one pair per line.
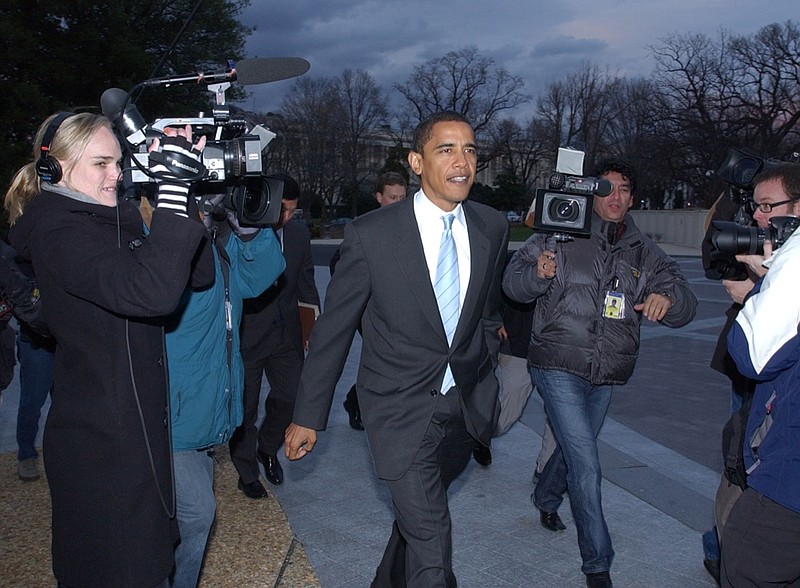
104,287
591,295
761,536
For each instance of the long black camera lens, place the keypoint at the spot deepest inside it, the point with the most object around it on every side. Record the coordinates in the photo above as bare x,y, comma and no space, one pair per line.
731,239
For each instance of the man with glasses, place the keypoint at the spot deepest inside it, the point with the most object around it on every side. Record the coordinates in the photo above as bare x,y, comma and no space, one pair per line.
769,199
761,537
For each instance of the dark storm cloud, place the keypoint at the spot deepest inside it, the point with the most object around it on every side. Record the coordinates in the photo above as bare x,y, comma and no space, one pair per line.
539,41
559,46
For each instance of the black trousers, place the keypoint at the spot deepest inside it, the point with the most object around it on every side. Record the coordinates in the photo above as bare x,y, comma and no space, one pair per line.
419,552
282,366
760,544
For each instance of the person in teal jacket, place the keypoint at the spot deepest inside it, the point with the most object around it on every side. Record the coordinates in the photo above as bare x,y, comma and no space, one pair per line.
206,376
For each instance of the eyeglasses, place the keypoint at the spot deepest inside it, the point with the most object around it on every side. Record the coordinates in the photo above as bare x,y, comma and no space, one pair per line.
766,207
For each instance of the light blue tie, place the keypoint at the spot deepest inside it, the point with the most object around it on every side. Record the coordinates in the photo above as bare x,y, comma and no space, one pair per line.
447,289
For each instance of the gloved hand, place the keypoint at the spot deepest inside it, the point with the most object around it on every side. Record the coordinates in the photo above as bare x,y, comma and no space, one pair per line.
241,232
174,166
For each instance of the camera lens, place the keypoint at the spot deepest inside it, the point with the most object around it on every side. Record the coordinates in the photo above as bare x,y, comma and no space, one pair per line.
732,239
564,210
253,199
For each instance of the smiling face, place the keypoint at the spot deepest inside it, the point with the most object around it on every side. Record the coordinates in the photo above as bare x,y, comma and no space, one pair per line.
447,164
96,171
615,206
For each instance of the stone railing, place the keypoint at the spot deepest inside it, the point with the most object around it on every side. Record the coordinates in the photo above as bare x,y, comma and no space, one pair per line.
682,228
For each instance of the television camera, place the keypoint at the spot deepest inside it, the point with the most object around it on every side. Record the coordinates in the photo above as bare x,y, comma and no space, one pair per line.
564,209
232,160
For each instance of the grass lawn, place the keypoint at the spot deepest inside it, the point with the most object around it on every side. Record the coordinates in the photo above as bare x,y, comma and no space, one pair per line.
520,232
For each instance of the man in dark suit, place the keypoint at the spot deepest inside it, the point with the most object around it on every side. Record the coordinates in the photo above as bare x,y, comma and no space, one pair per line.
272,343
425,393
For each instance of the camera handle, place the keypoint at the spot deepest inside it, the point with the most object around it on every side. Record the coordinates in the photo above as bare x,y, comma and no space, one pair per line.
554,238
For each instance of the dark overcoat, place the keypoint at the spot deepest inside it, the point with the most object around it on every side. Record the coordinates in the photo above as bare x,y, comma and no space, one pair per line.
106,447
273,317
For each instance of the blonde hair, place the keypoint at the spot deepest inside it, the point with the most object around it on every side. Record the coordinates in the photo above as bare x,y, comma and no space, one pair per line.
69,142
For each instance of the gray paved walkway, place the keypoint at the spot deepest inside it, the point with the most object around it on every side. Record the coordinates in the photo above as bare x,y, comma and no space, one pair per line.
657,499
659,449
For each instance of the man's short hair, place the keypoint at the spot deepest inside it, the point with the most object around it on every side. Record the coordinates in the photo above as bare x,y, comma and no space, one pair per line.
619,165
291,190
390,178
787,173
424,130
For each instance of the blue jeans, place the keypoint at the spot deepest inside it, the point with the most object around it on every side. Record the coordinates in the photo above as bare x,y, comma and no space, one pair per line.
195,510
35,381
576,410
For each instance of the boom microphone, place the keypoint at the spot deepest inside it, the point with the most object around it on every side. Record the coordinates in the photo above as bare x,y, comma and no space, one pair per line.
250,72
247,72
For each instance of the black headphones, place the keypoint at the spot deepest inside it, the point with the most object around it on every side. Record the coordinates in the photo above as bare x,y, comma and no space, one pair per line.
47,168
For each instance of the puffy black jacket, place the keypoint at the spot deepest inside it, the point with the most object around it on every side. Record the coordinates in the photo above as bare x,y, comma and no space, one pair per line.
570,333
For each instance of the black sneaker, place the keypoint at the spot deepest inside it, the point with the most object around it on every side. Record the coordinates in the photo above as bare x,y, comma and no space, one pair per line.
599,580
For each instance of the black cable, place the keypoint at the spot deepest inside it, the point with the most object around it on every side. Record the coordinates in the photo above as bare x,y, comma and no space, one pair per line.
177,38
171,509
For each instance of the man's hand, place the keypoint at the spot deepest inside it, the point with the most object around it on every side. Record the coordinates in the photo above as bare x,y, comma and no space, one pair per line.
654,307
754,263
299,441
738,289
502,333
546,265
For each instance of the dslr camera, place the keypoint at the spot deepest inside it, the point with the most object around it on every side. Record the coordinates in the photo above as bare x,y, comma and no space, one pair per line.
564,208
232,161
732,239
740,236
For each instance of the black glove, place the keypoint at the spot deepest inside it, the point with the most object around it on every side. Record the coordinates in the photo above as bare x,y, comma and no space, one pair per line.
174,167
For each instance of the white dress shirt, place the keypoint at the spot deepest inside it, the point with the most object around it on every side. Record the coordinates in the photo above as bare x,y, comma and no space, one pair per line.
430,224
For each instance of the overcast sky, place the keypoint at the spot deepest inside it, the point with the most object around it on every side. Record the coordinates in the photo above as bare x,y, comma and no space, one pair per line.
538,40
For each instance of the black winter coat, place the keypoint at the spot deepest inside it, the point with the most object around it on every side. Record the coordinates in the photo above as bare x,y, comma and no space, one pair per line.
570,333
106,447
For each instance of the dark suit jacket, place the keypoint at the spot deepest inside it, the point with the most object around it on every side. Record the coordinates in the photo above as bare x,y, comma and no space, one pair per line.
382,281
273,316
